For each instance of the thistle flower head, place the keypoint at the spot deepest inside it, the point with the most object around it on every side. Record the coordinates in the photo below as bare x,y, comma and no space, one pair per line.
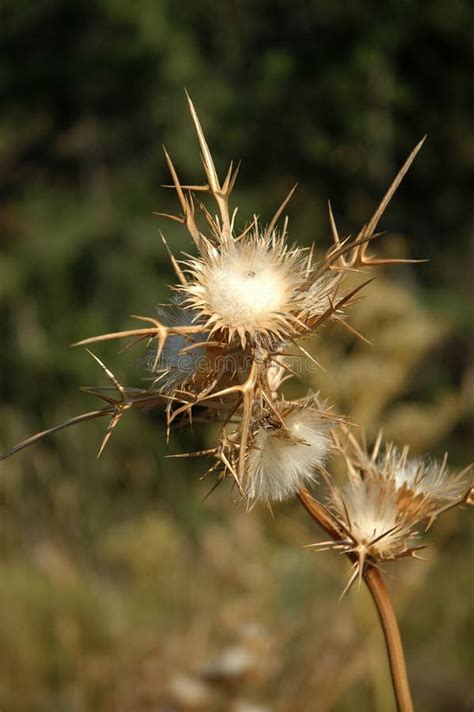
373,517
253,289
368,511
366,523
285,453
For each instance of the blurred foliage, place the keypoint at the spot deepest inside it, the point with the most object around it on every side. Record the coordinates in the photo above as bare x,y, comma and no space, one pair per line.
120,589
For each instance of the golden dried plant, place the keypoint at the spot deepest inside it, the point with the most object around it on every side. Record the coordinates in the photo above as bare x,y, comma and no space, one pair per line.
222,341
221,346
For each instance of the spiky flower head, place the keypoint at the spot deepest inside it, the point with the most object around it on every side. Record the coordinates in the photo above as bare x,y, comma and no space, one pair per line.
255,289
367,524
286,452
368,511
373,517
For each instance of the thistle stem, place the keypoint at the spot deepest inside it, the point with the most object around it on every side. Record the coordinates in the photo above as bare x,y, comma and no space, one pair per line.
383,603
393,641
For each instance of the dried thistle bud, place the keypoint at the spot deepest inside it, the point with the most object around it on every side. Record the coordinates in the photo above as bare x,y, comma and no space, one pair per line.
375,514
368,511
372,529
285,453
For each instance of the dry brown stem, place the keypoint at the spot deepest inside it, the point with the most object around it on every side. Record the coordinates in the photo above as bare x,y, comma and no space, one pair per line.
382,600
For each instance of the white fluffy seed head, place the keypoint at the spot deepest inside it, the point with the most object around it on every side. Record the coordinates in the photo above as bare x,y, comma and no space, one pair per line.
253,289
369,512
426,478
282,460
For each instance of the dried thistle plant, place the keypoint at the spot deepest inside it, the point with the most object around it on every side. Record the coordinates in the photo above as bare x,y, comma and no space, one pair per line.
220,348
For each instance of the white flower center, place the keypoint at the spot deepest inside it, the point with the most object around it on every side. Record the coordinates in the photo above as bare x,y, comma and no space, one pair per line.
247,290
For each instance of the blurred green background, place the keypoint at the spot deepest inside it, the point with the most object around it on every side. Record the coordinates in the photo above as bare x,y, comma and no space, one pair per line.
120,589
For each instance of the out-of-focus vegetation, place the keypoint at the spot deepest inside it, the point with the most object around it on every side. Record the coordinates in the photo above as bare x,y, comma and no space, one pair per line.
120,589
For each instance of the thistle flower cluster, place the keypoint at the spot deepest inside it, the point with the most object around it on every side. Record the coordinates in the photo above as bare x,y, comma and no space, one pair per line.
388,498
241,302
